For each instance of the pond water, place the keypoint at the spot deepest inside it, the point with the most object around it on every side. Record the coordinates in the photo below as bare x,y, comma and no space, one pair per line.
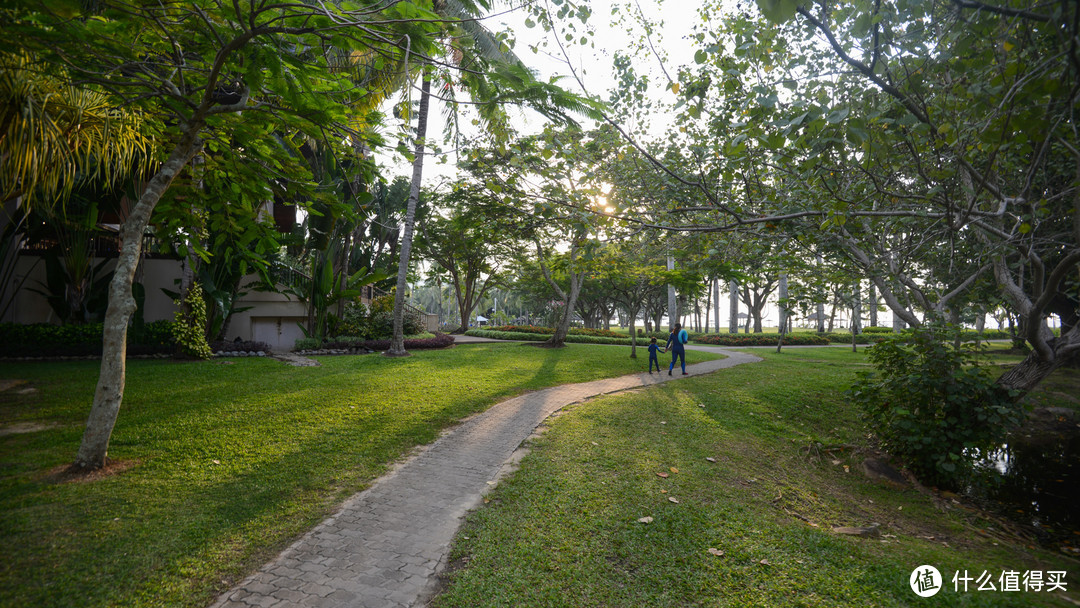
1034,480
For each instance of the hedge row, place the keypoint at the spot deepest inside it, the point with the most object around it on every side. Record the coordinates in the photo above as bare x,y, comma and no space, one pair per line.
440,340
836,337
761,340
47,340
533,337
870,337
574,331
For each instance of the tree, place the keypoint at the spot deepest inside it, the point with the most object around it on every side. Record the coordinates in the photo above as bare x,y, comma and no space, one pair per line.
937,124
494,77
631,272
192,70
472,244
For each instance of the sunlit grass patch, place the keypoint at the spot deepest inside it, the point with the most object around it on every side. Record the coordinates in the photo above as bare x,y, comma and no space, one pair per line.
231,461
757,460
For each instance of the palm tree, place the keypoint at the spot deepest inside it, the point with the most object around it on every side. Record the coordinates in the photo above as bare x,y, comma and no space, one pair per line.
494,77
54,135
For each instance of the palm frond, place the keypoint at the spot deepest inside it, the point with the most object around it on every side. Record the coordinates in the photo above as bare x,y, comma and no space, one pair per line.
52,134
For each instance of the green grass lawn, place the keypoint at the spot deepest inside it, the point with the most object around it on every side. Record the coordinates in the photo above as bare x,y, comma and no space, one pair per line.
230,460
564,530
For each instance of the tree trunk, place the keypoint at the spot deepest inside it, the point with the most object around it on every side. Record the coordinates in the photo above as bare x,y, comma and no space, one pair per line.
397,343
1027,374
856,310
110,387
733,307
633,333
873,305
897,323
708,304
672,305
716,304
783,314
563,329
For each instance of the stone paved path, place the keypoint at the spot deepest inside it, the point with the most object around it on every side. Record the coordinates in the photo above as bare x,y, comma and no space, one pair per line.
385,545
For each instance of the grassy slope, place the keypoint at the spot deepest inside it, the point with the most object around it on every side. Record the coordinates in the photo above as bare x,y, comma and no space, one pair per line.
232,461
563,530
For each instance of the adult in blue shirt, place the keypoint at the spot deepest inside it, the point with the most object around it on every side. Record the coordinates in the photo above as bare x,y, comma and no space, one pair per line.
676,344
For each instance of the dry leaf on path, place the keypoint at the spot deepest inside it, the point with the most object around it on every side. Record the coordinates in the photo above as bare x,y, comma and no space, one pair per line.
645,520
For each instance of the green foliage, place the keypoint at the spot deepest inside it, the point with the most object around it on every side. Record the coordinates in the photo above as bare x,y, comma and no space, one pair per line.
47,340
761,339
307,343
374,321
577,331
541,337
932,405
189,327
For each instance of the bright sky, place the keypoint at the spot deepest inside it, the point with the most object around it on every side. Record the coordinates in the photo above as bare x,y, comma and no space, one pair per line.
593,62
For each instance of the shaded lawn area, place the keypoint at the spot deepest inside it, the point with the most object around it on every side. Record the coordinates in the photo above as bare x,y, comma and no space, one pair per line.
231,461
564,531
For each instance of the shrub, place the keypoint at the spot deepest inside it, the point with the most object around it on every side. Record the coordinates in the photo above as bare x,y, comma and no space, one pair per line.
440,340
376,321
931,404
46,340
307,343
538,337
189,327
244,346
761,339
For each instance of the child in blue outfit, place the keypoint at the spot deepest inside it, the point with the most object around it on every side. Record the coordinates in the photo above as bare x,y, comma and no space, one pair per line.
653,349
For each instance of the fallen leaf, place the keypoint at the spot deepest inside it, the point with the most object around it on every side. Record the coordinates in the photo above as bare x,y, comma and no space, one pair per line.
663,422
701,405
216,461
765,562
664,475
594,443
710,459
674,470
663,491
835,462
673,499
716,552
645,520
847,469
799,561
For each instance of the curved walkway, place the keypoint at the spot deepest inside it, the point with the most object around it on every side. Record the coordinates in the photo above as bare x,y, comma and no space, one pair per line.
385,545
